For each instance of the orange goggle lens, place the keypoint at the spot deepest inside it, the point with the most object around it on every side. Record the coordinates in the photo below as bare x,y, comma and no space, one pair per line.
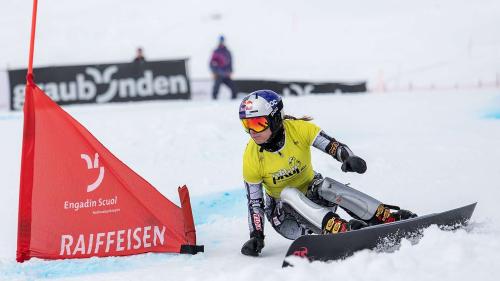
256,124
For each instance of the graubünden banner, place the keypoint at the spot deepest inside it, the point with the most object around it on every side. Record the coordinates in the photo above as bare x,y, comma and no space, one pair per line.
105,83
78,200
297,88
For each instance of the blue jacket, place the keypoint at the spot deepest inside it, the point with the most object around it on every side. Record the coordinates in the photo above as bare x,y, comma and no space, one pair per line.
221,63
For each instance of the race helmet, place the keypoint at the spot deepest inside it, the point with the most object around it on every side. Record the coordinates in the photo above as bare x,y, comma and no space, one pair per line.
260,110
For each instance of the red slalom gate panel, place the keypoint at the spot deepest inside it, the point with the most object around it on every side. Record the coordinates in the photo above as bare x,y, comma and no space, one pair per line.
78,200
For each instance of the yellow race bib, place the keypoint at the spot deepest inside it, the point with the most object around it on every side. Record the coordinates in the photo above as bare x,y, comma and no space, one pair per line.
291,166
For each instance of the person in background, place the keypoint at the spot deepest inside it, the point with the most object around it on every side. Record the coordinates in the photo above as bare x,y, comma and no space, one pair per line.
139,57
221,65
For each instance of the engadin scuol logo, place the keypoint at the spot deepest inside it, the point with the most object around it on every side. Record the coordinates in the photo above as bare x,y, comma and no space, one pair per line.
107,203
94,165
283,174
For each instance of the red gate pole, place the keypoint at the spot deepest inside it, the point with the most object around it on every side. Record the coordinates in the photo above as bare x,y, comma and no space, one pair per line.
29,76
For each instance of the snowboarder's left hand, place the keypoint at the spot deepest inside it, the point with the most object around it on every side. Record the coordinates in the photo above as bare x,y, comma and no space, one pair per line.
354,164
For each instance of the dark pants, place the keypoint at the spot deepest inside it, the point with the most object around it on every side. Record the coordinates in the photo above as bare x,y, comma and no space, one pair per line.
228,82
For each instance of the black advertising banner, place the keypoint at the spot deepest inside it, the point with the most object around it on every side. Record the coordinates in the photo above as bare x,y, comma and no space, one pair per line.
299,88
105,83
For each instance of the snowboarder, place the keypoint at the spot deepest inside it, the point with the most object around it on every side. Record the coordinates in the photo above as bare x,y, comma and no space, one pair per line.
298,201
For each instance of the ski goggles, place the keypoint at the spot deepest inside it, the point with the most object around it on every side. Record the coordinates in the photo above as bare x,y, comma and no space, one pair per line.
256,124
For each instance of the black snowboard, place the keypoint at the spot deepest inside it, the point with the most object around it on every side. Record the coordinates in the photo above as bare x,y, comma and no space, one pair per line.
341,245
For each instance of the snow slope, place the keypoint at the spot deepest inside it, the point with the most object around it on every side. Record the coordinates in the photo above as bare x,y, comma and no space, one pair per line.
425,151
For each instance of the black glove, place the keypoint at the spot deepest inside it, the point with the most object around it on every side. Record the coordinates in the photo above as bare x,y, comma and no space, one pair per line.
253,246
354,164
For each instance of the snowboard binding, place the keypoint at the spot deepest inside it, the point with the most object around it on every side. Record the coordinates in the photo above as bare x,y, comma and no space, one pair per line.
333,224
384,215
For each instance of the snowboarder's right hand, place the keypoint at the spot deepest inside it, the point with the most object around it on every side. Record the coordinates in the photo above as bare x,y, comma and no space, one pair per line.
253,246
354,164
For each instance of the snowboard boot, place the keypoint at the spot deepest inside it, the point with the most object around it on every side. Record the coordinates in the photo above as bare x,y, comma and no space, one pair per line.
333,224
384,215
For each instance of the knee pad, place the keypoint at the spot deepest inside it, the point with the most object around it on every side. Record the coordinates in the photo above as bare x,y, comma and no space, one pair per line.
355,201
309,210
